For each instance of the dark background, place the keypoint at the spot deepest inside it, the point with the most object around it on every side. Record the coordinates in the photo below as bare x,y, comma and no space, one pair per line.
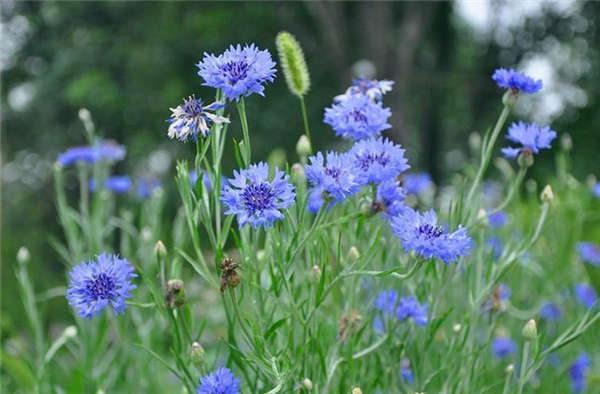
128,62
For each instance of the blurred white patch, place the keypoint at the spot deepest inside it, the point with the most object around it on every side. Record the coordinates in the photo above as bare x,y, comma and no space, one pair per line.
159,161
20,96
364,68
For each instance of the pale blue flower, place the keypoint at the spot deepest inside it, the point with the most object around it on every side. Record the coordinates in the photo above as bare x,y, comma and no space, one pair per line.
358,117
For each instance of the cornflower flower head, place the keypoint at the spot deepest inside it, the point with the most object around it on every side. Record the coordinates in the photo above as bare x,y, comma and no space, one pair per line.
497,219
495,245
102,150
205,179
333,176
589,252
221,381
531,137
358,117
596,190
145,187
416,183
585,294
255,199
422,234
578,372
516,81
371,88
118,184
377,159
503,347
193,118
386,301
409,307
550,312
239,71
390,198
406,371
101,282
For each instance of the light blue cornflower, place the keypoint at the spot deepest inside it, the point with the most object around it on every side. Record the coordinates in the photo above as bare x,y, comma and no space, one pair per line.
145,187
516,81
369,87
578,372
390,198
596,190
119,184
416,183
386,300
192,119
589,252
102,150
255,199
409,307
406,371
422,234
334,176
585,294
221,381
238,71
99,283
497,219
358,117
377,159
503,347
550,312
531,136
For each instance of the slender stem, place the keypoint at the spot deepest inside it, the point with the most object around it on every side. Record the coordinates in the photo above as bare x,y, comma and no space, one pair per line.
246,153
507,383
305,119
523,366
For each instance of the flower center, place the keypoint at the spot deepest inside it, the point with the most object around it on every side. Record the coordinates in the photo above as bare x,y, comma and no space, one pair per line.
258,197
367,160
235,70
192,107
358,116
429,231
102,286
333,172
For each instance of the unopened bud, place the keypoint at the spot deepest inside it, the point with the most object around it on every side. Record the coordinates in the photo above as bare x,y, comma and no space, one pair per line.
307,384
261,255
525,158
175,293
475,141
303,148
160,250
316,270
530,330
70,332
85,115
353,253
510,98
456,327
366,207
23,255
510,368
566,142
481,214
298,171
197,353
146,234
547,194
357,390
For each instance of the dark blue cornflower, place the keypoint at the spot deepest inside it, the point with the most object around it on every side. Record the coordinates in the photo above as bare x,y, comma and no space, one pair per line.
99,283
516,81
585,294
371,88
333,176
254,199
596,190
422,234
416,183
503,346
578,372
497,219
221,381
550,312
238,71
390,198
495,245
409,307
406,371
358,117
589,252
145,187
531,136
119,184
102,150
377,159
192,119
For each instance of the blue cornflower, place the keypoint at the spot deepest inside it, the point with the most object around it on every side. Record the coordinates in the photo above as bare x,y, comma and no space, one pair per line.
550,311
585,294
205,179
596,190
406,371
497,219
589,252
358,117
238,71
221,381
254,199
377,159
390,197
495,245
503,346
119,184
410,307
531,136
371,88
386,300
145,187
103,281
578,372
416,183
335,178
102,150
422,234
192,118
516,81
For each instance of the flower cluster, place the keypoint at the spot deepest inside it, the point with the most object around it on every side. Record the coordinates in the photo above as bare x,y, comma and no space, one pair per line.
103,150
99,283
192,118
516,81
358,117
221,381
531,137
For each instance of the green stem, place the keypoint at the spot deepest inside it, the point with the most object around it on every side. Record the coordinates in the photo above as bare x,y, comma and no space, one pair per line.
305,119
523,366
246,152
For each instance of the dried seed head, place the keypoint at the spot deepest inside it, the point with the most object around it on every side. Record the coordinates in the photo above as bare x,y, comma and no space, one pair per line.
229,275
547,195
348,323
293,63
175,293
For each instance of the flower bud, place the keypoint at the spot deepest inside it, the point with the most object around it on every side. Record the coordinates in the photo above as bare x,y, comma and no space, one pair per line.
357,390
316,271
456,327
175,293
23,255
70,332
566,142
530,330
547,194
85,115
307,384
298,171
525,158
353,254
146,234
160,250
475,141
303,148
261,255
510,368
510,98
481,214
197,353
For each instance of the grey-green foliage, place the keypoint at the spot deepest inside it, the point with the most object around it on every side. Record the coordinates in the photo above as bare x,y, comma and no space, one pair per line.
293,63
